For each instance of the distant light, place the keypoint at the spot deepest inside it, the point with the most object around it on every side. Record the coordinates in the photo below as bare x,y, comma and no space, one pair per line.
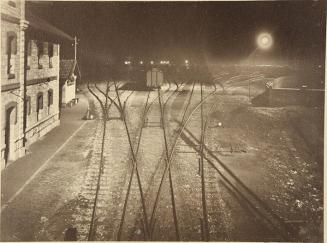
264,41
152,62
141,62
162,62
126,62
186,61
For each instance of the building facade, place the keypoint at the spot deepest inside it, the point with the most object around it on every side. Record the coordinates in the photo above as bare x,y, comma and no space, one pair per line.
13,26
29,79
42,89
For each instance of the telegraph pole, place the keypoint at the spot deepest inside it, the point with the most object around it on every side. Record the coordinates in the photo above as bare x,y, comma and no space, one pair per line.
75,47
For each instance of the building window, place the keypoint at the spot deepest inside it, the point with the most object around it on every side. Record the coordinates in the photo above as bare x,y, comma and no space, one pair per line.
28,105
39,54
11,53
50,53
50,100
39,105
50,97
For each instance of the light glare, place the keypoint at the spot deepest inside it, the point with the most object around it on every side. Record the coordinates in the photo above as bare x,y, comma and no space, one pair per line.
264,41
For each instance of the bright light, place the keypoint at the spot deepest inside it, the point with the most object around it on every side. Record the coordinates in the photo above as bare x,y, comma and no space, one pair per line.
141,62
126,62
264,41
186,61
152,62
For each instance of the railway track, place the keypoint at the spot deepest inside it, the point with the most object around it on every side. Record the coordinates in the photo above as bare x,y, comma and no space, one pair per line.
131,136
98,215
173,138
131,189
144,185
150,112
113,100
218,175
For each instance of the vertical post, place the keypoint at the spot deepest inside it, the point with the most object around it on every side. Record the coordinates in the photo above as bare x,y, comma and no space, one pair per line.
249,90
75,47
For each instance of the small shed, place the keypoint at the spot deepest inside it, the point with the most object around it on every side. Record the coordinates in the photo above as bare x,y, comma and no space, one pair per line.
154,78
69,73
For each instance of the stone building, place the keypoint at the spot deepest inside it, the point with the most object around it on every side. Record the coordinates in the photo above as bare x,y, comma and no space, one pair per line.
30,79
13,26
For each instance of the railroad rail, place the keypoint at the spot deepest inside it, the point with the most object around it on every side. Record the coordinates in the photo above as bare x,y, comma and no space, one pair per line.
235,186
144,115
210,166
184,122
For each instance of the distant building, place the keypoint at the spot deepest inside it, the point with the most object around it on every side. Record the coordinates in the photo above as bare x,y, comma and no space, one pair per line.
69,73
30,79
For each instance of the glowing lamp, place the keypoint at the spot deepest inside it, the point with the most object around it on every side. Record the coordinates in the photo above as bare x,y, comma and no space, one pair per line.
264,41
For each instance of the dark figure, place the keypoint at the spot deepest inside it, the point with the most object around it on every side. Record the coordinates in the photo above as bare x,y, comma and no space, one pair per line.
71,234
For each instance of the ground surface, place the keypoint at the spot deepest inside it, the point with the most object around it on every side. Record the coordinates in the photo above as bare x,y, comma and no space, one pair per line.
262,169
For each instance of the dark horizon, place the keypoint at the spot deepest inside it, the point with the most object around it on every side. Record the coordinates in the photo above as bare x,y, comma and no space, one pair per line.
110,32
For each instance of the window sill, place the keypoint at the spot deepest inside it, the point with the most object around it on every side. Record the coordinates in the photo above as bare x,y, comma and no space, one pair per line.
11,76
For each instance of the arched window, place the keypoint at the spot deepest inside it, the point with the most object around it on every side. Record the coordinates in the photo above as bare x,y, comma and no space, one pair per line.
11,115
11,52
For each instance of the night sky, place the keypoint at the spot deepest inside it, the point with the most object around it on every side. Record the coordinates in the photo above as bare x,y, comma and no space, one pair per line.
113,31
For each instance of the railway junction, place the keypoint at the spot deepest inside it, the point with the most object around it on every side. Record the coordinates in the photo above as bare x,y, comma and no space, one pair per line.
189,162
162,121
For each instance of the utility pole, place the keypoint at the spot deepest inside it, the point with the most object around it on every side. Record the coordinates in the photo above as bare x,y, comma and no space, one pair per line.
75,47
